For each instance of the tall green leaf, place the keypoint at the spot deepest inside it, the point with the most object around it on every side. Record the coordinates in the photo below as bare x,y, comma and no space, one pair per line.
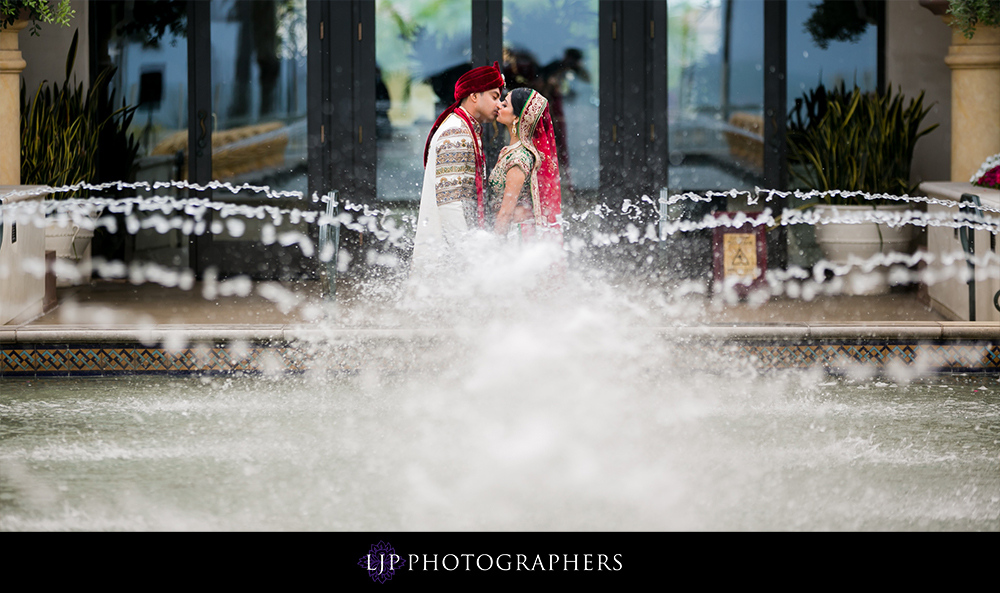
62,127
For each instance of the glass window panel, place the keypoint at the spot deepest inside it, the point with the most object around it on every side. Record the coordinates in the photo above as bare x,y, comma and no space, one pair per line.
552,46
849,61
147,43
259,124
259,92
422,47
715,85
152,72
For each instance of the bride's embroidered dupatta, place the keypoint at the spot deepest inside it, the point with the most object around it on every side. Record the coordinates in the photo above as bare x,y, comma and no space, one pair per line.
536,133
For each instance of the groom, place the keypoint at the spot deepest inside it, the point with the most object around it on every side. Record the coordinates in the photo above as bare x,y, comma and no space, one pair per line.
451,201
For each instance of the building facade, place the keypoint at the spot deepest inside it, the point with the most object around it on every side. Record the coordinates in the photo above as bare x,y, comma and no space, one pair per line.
315,97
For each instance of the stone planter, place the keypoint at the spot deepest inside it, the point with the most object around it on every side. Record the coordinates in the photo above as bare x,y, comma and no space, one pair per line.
72,244
843,243
975,86
22,256
950,297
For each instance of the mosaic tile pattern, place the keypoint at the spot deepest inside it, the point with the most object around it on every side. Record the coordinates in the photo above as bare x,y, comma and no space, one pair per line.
51,360
17,361
118,360
947,356
108,359
85,360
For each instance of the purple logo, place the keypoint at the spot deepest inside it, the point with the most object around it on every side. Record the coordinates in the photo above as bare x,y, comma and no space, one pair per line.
381,562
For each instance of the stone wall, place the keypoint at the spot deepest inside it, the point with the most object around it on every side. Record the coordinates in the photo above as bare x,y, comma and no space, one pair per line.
21,293
916,44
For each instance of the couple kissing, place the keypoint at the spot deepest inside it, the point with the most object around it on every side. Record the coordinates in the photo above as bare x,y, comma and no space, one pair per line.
521,198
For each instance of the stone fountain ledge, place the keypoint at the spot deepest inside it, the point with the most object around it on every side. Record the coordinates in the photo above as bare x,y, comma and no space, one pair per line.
951,297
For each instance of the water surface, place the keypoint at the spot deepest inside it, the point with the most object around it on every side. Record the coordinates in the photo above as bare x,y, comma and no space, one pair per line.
471,449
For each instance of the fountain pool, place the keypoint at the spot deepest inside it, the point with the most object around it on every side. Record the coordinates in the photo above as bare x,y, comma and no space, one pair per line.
445,451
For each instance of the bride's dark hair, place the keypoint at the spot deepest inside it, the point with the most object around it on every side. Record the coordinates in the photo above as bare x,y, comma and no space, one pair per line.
518,97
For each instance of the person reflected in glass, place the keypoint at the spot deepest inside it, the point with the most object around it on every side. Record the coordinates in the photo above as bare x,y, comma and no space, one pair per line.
521,69
383,102
553,78
525,192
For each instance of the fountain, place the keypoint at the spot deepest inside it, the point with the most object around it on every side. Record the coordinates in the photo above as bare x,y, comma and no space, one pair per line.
515,398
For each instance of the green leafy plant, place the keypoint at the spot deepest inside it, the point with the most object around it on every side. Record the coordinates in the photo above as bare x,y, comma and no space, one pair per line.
854,141
61,130
39,11
966,14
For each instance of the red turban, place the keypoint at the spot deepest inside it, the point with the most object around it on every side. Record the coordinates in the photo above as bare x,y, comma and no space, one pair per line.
477,80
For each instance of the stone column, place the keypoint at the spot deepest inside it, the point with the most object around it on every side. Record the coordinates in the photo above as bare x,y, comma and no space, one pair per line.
11,65
975,99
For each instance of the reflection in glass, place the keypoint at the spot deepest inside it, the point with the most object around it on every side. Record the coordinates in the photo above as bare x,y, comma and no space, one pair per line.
552,47
152,68
715,85
259,92
814,56
422,47
831,43
259,120
147,43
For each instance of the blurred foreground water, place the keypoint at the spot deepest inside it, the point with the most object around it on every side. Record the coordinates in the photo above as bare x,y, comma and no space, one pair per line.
571,445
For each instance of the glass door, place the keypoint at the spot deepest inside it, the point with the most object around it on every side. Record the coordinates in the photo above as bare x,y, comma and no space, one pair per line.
259,134
146,43
422,47
552,47
715,86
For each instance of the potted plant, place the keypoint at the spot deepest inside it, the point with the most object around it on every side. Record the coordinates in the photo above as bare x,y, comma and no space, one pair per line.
15,15
856,141
967,14
61,132
58,12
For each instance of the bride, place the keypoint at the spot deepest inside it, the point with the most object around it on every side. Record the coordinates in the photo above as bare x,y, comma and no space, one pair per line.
525,194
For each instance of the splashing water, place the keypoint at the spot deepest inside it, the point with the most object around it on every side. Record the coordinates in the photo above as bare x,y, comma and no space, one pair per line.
587,234
527,396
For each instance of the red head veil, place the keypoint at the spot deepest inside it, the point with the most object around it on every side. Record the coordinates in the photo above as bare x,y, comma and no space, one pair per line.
537,135
477,80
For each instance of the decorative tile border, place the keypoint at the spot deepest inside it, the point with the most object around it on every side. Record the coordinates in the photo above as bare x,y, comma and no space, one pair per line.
17,361
51,360
21,360
219,358
940,356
